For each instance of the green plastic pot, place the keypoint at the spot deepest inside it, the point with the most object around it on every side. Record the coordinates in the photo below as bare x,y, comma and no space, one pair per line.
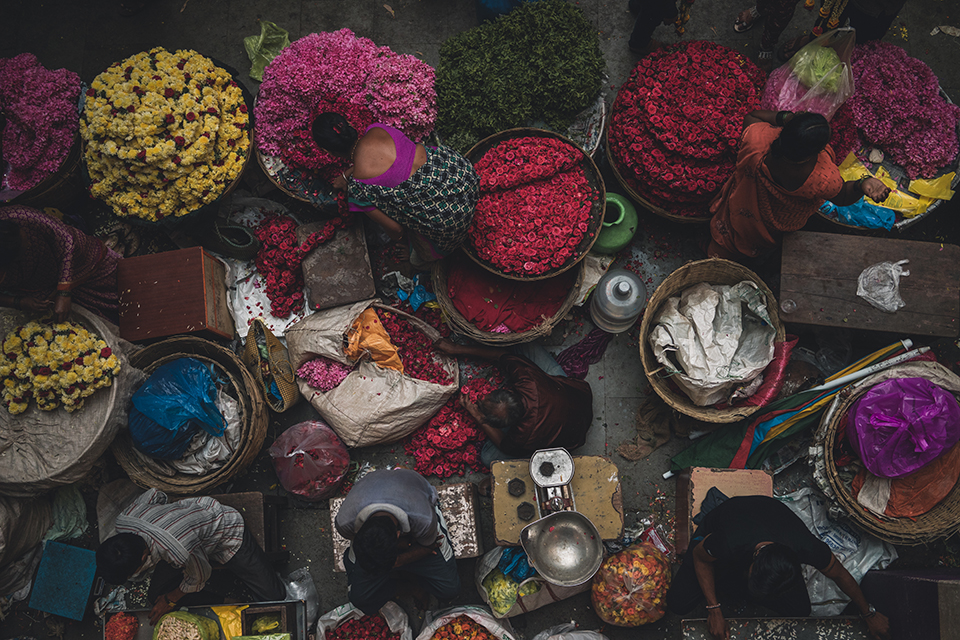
619,225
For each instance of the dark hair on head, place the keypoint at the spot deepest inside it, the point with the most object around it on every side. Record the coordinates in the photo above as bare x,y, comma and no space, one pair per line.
510,400
9,243
803,137
775,569
120,556
332,132
375,545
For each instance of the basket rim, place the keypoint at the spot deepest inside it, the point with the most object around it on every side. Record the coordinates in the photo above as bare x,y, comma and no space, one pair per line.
590,167
668,288
457,322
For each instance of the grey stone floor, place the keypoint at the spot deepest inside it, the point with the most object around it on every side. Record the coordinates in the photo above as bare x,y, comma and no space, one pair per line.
88,35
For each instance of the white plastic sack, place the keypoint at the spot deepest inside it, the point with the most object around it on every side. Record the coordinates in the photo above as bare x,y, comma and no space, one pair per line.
547,594
710,342
879,284
858,551
392,613
300,586
568,631
207,453
500,629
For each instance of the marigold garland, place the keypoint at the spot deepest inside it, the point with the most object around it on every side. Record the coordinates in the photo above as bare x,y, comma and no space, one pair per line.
54,364
165,133
462,628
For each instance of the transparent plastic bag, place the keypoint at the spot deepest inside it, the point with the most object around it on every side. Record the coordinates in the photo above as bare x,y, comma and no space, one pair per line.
879,284
630,589
820,77
300,586
310,460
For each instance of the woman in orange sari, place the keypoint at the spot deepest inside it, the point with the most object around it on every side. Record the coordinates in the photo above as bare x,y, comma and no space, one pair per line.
785,170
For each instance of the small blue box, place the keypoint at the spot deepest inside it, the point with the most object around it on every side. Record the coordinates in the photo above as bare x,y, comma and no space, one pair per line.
64,580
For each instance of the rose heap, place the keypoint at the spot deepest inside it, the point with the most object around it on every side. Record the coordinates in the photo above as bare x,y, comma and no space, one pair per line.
165,134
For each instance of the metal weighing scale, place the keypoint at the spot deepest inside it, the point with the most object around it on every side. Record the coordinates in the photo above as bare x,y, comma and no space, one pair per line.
552,471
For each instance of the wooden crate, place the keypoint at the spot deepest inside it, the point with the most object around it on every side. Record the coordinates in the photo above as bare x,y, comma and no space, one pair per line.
286,611
175,292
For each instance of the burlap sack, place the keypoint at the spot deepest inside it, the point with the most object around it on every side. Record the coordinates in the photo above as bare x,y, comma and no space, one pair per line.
371,405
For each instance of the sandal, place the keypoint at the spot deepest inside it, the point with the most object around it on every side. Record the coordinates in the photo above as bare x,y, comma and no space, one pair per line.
765,61
745,24
790,48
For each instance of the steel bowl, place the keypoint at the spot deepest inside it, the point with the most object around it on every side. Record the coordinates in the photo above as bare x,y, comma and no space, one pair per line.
564,547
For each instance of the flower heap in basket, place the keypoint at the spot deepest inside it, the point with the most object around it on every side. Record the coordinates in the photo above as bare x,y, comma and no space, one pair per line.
463,628
535,205
165,134
54,364
676,123
364,628
41,110
337,71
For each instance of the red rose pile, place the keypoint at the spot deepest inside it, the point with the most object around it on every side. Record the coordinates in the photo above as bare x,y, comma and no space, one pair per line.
415,350
279,258
676,123
121,626
365,628
534,206
447,445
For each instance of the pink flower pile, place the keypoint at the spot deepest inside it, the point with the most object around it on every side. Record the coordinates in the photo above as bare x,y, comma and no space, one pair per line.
42,119
897,107
323,374
315,72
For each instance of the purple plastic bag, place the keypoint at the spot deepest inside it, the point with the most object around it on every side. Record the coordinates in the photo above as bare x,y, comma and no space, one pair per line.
903,424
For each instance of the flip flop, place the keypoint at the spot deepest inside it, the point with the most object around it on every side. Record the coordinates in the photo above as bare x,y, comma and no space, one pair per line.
740,25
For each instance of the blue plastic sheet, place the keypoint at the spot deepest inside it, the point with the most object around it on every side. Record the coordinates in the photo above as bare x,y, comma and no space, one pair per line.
513,563
179,391
861,214
160,442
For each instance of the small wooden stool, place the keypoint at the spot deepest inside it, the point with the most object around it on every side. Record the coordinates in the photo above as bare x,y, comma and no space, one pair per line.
260,514
459,505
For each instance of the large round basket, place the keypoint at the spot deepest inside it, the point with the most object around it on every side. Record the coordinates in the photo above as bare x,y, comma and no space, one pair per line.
146,471
458,323
941,521
713,271
636,197
60,189
593,178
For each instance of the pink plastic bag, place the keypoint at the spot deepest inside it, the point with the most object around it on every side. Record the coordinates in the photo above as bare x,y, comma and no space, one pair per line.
903,424
310,460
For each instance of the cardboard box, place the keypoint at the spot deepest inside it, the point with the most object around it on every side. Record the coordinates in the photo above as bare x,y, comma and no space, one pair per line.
172,293
693,484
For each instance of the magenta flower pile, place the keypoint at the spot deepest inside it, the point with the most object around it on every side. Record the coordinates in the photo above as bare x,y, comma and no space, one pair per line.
323,374
42,119
897,107
338,70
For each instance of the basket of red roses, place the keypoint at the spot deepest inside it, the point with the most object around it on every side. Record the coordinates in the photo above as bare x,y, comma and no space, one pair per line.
712,271
675,126
500,312
541,205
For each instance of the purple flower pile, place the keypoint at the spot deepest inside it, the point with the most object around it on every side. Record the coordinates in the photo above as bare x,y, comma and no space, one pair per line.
897,107
322,69
42,119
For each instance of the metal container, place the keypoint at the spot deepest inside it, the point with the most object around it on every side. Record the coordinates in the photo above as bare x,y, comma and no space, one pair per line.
618,301
564,547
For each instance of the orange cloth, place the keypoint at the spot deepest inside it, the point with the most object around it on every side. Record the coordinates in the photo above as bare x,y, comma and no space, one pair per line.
752,211
917,493
367,335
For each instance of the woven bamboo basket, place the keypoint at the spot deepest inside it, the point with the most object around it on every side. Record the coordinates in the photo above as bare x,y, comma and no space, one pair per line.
941,521
61,189
458,323
594,178
147,472
713,271
277,183
636,197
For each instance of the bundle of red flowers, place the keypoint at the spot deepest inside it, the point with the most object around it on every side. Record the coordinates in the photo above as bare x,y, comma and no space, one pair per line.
462,628
415,350
366,628
279,259
676,123
121,626
534,207
447,445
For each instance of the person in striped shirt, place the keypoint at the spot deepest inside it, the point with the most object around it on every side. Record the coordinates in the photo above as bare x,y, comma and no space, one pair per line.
181,539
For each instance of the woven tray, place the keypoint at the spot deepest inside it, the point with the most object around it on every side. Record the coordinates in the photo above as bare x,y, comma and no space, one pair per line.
458,323
145,471
593,178
713,271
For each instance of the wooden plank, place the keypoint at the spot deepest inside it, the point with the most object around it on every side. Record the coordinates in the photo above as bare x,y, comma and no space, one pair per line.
819,272
837,628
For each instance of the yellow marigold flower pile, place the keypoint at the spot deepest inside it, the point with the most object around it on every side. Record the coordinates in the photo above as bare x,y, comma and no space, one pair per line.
56,364
630,589
164,133
463,628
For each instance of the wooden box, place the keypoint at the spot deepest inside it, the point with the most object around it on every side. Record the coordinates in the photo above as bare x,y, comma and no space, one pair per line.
692,487
286,611
174,292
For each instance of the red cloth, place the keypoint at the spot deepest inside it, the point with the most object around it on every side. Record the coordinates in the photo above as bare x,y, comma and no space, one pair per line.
559,410
487,300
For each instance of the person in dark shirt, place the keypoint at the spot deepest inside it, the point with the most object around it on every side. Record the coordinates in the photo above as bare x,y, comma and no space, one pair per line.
541,408
751,547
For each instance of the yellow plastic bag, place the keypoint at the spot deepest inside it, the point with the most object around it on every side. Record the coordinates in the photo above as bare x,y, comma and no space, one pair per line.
230,619
907,205
937,188
367,335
